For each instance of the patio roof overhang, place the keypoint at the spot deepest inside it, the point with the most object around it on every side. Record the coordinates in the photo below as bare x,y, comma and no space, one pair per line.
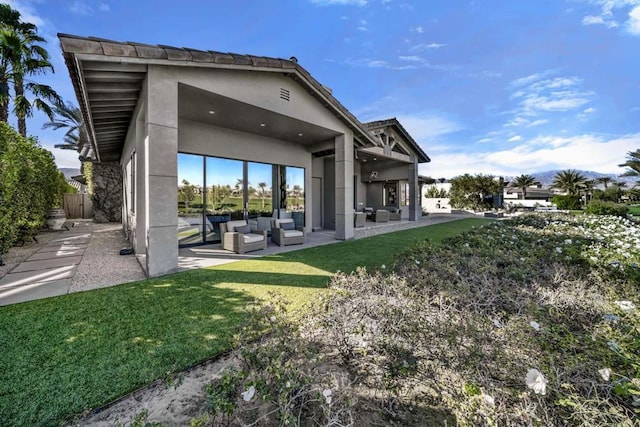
108,76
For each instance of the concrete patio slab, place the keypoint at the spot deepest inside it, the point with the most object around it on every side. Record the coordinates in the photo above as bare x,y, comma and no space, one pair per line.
63,247
55,254
32,277
47,264
80,239
34,291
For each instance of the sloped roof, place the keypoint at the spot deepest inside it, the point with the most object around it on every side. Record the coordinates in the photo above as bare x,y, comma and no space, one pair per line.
108,75
393,122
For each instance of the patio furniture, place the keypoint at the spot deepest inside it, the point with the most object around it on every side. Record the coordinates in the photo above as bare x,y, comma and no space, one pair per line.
381,215
263,223
359,220
395,215
238,237
284,232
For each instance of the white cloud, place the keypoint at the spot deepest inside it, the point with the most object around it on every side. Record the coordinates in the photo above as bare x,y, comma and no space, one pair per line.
538,122
104,7
633,25
607,16
585,152
339,2
423,46
411,58
418,30
63,158
514,138
80,7
27,13
425,128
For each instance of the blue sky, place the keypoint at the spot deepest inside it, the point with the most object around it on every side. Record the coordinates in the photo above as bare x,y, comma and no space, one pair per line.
502,87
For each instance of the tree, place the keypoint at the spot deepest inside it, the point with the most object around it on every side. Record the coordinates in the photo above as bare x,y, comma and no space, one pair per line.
474,192
263,191
605,180
570,181
632,164
523,182
22,57
69,118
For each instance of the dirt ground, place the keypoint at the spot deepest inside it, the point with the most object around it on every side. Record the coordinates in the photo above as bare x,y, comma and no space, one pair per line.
173,402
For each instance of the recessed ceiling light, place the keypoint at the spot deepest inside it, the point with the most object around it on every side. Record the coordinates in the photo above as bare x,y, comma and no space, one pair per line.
364,160
300,134
211,112
262,125
375,158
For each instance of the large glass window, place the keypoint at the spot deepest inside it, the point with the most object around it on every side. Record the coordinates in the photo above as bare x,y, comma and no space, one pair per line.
259,189
190,199
212,190
224,180
295,194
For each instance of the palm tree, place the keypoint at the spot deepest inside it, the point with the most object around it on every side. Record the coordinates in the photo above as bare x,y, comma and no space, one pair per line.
68,117
22,57
632,163
605,180
263,189
523,182
569,180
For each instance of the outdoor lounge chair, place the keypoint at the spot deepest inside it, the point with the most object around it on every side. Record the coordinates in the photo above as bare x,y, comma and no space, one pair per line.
381,215
237,237
360,219
395,215
264,223
284,232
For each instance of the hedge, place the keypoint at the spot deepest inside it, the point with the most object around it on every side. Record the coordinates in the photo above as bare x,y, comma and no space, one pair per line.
566,201
30,185
601,207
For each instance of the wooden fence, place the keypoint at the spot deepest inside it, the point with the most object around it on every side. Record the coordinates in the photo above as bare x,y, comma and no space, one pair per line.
78,206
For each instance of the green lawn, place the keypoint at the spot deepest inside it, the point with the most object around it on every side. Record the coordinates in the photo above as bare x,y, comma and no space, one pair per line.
61,356
634,210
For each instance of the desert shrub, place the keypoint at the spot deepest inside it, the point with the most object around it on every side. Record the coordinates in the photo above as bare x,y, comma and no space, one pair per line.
566,201
280,376
600,207
530,321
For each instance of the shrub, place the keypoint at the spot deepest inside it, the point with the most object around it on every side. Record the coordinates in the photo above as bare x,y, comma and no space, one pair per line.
566,201
453,334
30,185
600,207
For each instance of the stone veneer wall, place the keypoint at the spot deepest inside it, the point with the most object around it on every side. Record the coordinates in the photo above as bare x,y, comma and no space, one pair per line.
107,192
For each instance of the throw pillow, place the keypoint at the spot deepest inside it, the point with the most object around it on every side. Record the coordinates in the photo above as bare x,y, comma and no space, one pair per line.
288,226
244,229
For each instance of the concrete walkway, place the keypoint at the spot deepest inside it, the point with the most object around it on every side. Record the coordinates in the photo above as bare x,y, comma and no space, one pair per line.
46,273
58,261
86,256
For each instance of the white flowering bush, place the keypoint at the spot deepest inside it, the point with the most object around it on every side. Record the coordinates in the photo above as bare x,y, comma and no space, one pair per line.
530,321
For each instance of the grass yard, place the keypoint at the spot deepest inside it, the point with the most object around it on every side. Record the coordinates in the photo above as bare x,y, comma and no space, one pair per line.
62,356
634,210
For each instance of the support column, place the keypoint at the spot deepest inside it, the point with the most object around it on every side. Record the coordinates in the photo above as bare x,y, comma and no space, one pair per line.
344,186
415,212
161,161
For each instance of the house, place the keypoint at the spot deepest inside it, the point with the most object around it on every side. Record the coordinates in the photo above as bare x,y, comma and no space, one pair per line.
235,128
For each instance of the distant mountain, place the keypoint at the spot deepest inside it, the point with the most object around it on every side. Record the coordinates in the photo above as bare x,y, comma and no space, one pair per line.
546,177
69,172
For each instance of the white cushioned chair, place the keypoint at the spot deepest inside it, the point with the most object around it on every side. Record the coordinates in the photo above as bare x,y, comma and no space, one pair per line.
284,232
263,223
237,237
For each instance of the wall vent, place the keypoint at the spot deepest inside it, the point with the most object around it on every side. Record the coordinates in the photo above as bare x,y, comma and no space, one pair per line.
284,94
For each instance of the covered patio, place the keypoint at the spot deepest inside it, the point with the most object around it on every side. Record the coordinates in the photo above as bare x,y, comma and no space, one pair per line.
203,256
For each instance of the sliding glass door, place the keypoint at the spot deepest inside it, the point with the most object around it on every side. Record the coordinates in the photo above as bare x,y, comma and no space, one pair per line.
190,199
212,190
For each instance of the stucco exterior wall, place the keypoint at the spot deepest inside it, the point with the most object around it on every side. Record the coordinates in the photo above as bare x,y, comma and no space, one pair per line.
263,90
